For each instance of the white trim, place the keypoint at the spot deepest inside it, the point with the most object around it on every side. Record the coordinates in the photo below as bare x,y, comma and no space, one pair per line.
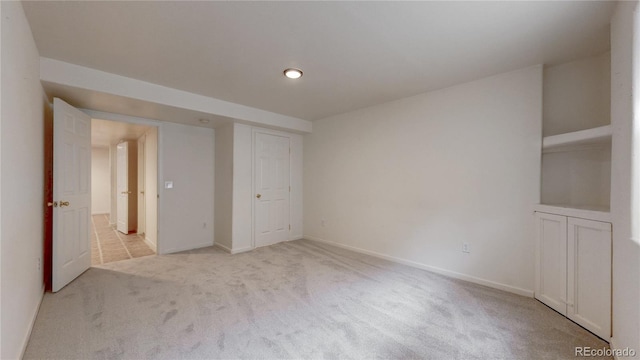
223,247
187,248
31,324
159,125
150,243
588,136
241,250
567,210
613,345
234,251
437,270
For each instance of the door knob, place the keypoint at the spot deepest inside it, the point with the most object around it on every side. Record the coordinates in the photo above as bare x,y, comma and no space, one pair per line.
258,196
54,204
64,203
125,192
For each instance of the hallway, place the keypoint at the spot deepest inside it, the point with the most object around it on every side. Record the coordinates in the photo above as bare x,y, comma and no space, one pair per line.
109,245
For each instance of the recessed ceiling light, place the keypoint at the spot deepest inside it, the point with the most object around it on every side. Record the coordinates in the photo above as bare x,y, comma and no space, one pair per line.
292,73
204,121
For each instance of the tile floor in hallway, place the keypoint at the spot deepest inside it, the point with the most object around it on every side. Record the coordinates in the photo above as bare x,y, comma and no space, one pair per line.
109,245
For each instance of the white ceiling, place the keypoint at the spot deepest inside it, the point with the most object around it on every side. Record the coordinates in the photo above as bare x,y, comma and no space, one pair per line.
353,54
105,133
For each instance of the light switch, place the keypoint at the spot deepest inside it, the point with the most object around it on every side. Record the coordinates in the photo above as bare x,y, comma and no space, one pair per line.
168,184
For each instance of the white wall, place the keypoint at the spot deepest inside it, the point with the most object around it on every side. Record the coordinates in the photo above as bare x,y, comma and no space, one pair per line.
415,178
242,227
22,180
224,186
577,178
297,188
186,218
577,95
100,181
1,99
624,196
151,186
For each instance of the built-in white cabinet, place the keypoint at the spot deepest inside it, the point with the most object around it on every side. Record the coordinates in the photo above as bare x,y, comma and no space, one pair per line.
573,269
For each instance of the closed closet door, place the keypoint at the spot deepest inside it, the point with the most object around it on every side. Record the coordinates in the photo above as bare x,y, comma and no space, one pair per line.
551,265
271,189
589,275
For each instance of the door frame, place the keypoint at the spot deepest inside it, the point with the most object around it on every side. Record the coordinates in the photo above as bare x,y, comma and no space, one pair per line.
47,262
159,125
254,131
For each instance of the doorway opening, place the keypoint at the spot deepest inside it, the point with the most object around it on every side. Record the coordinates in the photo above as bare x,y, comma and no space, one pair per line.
124,206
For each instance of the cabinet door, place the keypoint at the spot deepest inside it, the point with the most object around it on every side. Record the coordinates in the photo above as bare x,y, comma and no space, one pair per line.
551,261
589,275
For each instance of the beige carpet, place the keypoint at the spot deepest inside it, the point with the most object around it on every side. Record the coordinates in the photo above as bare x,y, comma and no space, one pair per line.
300,299
109,245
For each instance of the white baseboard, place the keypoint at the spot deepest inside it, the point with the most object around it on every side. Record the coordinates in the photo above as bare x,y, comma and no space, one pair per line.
153,246
31,324
612,345
241,250
296,237
187,248
233,251
437,270
222,247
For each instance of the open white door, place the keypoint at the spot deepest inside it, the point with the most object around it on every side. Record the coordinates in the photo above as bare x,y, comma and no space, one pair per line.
141,185
71,192
271,216
122,180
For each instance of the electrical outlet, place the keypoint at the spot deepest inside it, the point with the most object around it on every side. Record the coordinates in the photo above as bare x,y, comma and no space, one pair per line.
204,225
322,222
465,248
39,264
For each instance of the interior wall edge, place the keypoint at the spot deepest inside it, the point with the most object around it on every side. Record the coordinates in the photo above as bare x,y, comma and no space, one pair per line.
32,323
150,244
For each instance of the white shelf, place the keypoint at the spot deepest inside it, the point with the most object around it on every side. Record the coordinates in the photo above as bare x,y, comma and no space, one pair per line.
583,212
576,139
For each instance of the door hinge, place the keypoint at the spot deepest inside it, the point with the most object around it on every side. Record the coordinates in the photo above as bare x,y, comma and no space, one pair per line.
289,188
289,227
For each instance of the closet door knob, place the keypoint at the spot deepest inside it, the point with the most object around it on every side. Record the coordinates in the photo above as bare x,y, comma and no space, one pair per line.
258,196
